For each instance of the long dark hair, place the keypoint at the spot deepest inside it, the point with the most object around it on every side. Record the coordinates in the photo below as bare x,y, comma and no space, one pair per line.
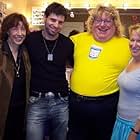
10,21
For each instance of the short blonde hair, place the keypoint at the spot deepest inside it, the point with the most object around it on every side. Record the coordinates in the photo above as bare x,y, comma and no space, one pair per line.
135,27
112,11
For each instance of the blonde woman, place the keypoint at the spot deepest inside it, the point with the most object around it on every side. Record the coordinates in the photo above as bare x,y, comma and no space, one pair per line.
127,126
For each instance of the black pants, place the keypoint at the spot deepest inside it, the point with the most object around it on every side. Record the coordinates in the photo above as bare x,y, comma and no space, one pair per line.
14,129
92,119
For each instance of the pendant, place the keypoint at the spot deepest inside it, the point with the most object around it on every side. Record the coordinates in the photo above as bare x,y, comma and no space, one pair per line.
50,57
17,74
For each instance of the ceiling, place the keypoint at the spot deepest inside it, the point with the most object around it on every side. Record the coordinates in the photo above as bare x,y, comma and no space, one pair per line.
26,6
130,4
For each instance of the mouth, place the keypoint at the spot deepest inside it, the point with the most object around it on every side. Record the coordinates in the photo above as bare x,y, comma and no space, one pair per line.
135,50
19,39
102,30
53,29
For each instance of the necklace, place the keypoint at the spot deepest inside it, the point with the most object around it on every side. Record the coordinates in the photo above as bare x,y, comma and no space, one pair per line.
17,68
50,54
17,60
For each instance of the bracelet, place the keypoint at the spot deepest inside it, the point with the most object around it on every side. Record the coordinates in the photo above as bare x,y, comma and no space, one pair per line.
133,130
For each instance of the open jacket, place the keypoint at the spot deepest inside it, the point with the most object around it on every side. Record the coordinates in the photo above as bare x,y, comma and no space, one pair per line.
7,75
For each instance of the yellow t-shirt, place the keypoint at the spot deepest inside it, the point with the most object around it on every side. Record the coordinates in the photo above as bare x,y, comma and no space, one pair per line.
98,64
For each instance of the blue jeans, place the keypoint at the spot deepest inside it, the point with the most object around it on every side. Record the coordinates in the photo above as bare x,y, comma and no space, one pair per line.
47,116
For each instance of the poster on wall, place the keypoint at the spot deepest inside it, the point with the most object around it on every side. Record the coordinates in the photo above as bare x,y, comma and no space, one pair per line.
37,16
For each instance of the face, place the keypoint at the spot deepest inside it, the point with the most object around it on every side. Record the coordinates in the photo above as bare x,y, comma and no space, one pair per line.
17,34
135,44
103,27
54,24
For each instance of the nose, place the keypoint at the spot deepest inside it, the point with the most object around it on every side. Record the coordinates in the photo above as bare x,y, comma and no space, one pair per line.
19,32
56,24
102,23
134,43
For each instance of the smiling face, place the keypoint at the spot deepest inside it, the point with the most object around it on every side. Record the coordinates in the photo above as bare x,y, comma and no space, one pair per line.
135,44
17,34
103,27
53,25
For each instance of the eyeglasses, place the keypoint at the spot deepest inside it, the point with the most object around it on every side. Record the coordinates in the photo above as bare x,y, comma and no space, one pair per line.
105,21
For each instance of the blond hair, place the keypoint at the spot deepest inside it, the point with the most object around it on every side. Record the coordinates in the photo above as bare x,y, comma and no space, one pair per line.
135,27
113,13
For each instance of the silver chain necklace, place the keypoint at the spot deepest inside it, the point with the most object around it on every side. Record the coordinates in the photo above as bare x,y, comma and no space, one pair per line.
50,54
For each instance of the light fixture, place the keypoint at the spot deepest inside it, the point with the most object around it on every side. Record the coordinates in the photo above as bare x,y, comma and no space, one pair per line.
67,5
44,4
125,5
9,5
72,14
106,3
87,5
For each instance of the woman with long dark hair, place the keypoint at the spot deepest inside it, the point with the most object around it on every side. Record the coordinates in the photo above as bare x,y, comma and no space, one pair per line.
14,77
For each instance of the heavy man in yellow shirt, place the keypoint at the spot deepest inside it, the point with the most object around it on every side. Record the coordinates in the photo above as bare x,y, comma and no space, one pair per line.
99,56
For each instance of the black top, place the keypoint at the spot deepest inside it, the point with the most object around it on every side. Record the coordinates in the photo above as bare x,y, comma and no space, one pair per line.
49,75
19,86
18,96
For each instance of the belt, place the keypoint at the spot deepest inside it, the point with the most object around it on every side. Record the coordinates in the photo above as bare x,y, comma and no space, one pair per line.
47,94
93,98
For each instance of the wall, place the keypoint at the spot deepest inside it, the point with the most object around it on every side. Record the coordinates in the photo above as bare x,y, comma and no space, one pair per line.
69,26
128,17
16,6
